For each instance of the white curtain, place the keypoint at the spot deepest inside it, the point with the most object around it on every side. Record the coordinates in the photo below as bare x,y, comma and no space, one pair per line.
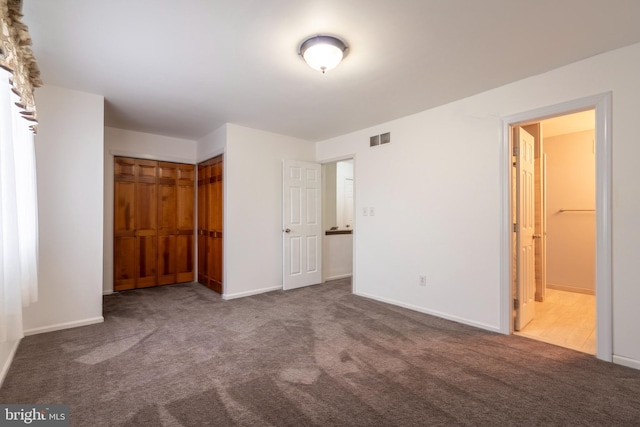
18,215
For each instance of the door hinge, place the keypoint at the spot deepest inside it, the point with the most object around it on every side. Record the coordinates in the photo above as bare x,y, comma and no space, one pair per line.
516,151
516,304
515,227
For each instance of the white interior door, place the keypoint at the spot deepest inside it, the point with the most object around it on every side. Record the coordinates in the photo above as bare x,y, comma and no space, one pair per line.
525,228
301,224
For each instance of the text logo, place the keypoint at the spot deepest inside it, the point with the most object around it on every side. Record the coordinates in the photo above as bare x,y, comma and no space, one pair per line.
34,415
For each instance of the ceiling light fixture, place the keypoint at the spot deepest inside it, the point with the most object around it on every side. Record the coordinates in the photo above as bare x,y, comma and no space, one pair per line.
322,52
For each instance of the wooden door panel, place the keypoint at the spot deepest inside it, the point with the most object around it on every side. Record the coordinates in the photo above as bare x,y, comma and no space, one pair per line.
167,200
185,188
212,198
204,174
184,258
202,259
210,223
216,268
124,209
167,173
147,171
124,263
217,207
153,223
167,213
185,204
214,262
146,247
211,259
146,223
146,209
166,260
124,169
186,174
215,197
202,202
202,197
215,286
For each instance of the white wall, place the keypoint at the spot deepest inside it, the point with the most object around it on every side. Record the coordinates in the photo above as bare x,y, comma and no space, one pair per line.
213,144
120,142
69,156
437,193
7,351
571,236
141,145
253,207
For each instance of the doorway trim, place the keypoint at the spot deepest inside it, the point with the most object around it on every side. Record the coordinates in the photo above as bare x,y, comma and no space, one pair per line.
604,277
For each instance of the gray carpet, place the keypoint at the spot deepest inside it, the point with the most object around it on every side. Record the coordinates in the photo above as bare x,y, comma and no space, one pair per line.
180,356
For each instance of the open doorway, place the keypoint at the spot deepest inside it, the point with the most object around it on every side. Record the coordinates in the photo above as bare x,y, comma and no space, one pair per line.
554,244
603,157
338,219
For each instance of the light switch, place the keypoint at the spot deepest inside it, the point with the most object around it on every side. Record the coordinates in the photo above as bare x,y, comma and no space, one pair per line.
372,211
365,211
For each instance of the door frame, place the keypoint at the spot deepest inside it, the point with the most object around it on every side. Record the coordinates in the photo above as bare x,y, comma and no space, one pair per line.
604,291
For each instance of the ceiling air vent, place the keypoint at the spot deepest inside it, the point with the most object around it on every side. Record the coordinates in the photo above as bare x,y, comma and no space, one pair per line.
384,138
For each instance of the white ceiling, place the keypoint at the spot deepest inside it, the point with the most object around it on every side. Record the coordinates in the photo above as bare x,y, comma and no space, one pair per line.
570,123
183,68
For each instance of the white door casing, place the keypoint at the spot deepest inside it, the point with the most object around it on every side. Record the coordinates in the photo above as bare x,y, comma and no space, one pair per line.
301,224
525,227
604,244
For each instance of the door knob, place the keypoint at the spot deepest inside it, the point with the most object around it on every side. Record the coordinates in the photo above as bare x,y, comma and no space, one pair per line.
287,230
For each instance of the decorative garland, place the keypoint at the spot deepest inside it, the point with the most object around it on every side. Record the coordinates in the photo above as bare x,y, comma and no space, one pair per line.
17,58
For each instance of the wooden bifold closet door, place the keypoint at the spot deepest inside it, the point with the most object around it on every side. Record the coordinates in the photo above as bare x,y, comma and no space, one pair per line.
210,223
153,223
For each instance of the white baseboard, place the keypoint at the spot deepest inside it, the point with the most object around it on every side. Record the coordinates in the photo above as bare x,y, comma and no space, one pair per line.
109,292
571,289
61,326
9,359
338,276
249,293
625,361
432,313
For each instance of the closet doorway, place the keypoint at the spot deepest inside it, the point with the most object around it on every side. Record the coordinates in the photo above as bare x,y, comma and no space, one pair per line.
554,186
210,223
153,223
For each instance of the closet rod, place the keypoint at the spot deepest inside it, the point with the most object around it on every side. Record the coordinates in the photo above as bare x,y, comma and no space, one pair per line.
576,210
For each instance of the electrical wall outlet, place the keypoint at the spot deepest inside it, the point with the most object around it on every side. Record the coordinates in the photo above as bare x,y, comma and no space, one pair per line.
423,280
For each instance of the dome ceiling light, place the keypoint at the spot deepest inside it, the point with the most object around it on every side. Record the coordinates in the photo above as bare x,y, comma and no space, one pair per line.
322,52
